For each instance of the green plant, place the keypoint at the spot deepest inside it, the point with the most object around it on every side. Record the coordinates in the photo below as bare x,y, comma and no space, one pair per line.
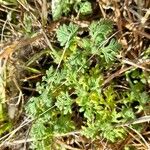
75,87
63,7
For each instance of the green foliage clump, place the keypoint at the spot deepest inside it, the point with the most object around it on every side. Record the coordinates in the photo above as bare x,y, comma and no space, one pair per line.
63,7
75,89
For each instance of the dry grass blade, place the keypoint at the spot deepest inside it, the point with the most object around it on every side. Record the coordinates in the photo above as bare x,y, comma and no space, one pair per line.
116,74
147,145
8,136
137,64
64,145
143,119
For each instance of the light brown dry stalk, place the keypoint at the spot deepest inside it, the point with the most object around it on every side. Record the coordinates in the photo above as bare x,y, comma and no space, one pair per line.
143,119
116,74
135,64
147,145
134,137
64,145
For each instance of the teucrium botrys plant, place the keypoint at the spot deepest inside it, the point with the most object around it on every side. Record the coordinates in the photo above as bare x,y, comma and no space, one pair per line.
74,90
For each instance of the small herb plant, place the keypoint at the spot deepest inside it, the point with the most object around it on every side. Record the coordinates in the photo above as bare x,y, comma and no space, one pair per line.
63,7
73,90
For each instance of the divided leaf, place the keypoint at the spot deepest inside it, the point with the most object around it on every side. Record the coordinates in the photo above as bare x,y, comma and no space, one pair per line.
110,51
100,30
65,33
